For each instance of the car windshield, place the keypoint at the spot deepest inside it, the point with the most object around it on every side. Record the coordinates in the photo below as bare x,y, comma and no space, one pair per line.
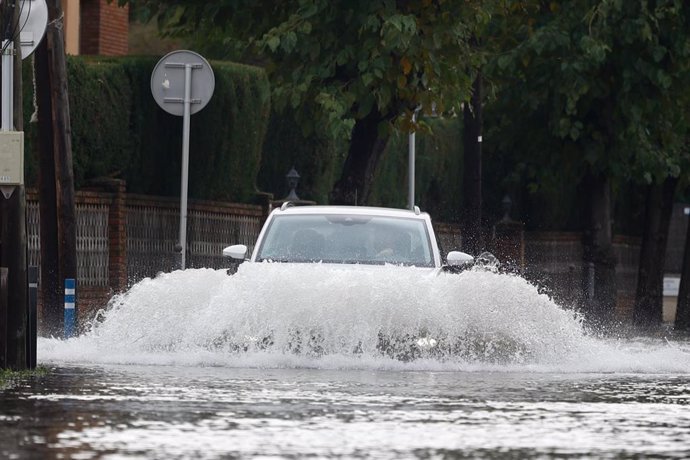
348,239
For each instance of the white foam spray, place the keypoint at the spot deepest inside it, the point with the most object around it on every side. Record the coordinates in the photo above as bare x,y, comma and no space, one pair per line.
330,316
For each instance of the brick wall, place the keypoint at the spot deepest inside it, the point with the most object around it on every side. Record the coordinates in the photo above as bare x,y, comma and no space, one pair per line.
104,28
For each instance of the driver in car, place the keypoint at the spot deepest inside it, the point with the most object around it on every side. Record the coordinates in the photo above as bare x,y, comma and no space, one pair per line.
389,244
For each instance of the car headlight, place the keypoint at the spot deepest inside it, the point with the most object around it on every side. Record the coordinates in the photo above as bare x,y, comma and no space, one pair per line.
426,343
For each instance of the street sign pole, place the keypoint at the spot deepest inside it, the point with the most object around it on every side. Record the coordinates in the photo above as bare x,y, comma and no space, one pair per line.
186,118
183,97
7,85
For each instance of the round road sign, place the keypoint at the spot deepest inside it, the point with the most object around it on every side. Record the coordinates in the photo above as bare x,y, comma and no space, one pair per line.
168,82
33,19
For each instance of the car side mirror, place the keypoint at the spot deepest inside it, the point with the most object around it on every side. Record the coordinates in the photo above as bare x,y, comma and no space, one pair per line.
458,259
236,251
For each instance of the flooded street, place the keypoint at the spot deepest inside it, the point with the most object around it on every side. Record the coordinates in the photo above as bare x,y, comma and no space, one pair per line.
210,412
178,368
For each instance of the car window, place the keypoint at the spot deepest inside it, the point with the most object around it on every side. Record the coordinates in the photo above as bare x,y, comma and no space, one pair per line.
347,239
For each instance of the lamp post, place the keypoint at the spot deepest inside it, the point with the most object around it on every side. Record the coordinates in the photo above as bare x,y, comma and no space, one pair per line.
411,161
292,178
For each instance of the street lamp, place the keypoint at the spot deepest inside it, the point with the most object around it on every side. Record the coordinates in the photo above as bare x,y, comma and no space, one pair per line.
411,140
292,178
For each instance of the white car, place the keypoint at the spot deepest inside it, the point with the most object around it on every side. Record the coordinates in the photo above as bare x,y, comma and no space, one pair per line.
361,238
355,235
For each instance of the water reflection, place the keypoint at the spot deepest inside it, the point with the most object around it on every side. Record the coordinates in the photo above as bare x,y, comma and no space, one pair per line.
176,412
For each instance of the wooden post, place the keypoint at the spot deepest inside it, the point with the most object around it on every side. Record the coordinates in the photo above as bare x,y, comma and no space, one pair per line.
56,180
3,317
14,257
31,336
13,253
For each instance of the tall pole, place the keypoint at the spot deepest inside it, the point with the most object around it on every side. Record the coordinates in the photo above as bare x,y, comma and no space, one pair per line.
182,97
185,162
56,180
411,160
13,209
7,83
472,171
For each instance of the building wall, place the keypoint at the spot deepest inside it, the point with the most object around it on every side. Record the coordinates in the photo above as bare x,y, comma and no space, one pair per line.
104,28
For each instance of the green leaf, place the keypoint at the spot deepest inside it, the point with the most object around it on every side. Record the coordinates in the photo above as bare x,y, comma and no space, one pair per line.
273,43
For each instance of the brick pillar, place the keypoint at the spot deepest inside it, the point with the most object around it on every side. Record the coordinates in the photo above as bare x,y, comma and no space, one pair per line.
104,28
508,240
508,244
117,236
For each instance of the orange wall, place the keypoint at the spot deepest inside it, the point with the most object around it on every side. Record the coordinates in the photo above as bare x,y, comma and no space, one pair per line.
72,25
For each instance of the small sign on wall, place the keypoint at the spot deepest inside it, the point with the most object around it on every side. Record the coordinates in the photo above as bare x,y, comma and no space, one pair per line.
11,158
671,286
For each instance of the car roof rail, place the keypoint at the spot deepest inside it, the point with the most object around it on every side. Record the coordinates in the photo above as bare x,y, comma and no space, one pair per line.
286,204
417,211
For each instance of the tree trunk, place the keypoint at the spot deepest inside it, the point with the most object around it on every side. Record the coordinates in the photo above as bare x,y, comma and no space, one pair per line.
366,150
600,260
472,172
648,311
682,322
56,183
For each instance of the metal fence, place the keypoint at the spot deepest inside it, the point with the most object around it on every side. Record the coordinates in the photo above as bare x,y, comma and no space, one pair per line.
153,231
92,244
92,241
152,225
33,237
555,261
151,239
210,232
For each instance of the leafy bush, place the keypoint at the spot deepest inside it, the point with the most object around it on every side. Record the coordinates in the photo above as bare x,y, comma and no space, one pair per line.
118,129
317,158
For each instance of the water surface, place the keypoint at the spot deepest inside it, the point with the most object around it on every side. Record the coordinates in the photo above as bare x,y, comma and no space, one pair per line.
161,374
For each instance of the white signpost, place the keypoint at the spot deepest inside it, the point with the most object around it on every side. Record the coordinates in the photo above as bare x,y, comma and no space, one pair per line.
33,18
182,83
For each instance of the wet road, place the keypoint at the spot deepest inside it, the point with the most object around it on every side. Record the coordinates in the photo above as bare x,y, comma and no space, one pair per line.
224,412
172,369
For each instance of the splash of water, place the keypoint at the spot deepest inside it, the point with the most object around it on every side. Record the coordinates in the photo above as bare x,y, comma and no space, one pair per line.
332,316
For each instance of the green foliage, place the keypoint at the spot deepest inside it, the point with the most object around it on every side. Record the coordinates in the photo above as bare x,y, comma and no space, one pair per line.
317,158
118,130
438,170
590,86
600,82
348,57
10,378
99,116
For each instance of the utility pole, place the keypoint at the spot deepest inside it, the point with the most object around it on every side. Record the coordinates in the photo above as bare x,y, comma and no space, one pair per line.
472,171
56,180
13,252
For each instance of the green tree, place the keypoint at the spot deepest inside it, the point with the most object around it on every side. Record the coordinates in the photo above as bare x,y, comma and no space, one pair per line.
364,65
598,87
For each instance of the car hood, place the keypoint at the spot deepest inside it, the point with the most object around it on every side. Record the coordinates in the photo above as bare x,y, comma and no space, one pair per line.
325,267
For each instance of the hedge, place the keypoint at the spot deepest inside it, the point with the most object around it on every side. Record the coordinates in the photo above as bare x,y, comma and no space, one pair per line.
317,158
118,130
238,145
438,171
